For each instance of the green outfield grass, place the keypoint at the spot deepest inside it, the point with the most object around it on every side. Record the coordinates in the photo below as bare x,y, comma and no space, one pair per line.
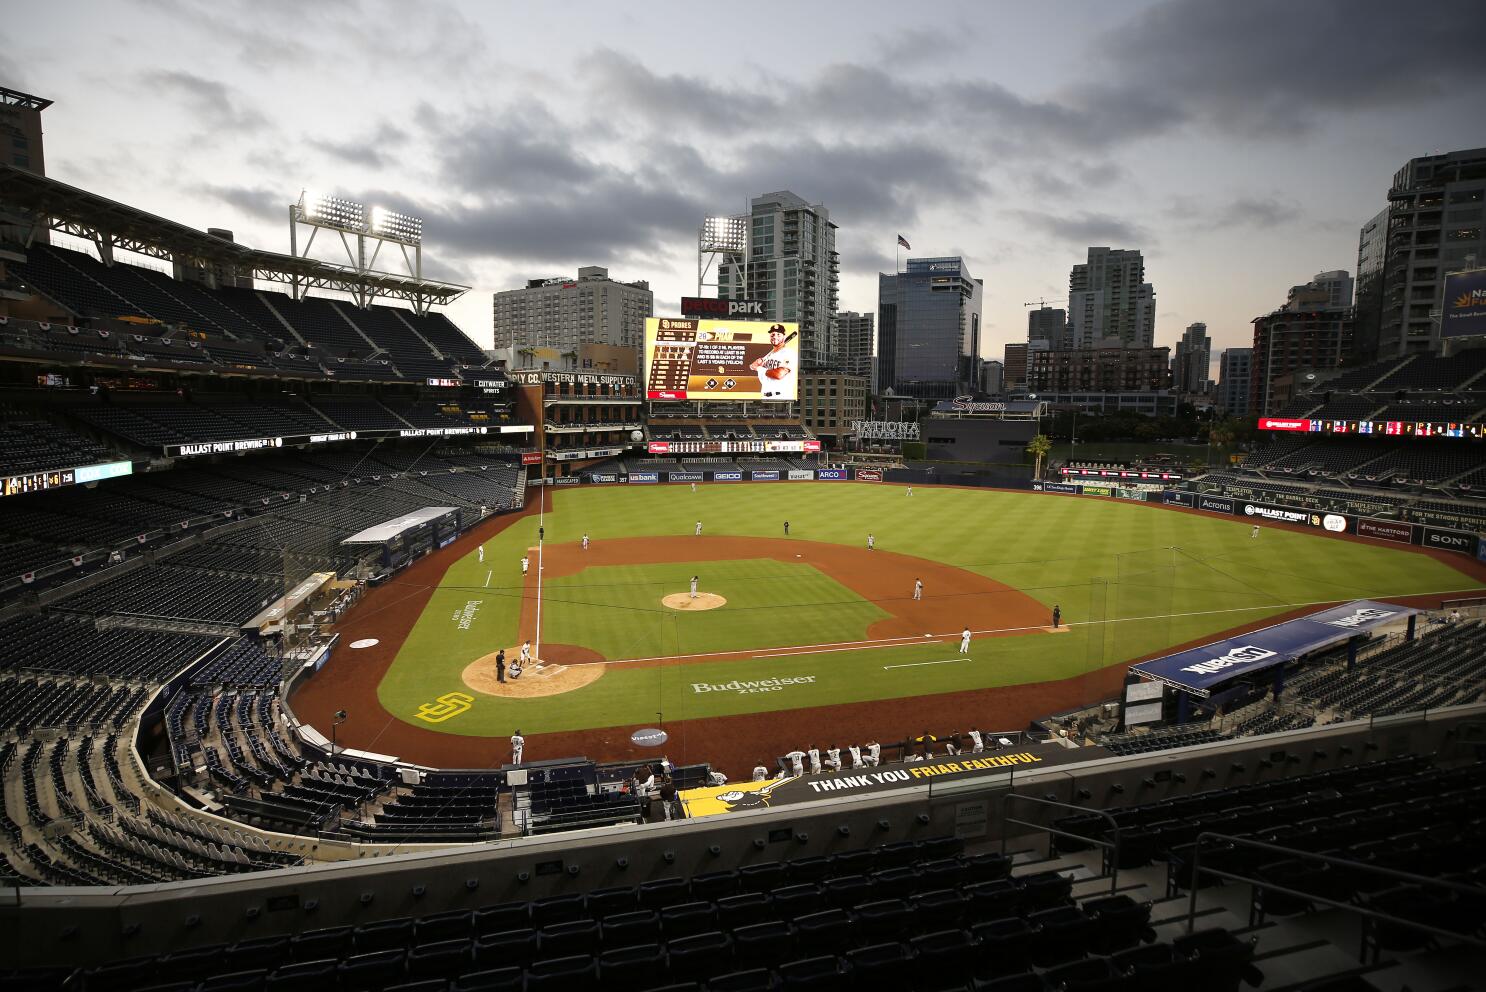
1131,579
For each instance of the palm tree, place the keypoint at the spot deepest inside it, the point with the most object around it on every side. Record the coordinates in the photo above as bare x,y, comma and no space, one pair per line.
1038,447
572,357
527,353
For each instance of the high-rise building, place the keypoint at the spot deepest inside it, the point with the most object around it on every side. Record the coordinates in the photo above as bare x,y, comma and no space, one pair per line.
564,313
1306,333
852,342
1116,369
20,130
1236,366
928,323
831,401
992,377
1336,284
1433,225
1014,367
1190,367
1109,302
1048,324
792,268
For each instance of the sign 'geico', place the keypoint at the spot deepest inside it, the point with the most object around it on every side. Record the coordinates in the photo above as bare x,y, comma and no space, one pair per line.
1246,655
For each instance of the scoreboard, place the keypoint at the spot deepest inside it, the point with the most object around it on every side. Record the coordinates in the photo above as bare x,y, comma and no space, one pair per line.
700,359
1389,428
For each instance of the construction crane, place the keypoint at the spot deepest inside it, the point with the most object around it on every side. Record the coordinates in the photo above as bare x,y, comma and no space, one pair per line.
1041,303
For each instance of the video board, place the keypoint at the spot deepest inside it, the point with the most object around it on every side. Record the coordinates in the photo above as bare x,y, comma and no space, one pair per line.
1390,428
701,359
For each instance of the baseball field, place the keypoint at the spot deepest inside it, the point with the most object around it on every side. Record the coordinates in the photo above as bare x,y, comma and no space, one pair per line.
808,637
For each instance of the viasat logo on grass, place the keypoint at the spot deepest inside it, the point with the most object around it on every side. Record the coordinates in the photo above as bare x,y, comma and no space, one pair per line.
762,685
466,616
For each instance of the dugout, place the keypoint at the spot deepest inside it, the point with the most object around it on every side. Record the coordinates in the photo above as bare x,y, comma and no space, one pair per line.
409,536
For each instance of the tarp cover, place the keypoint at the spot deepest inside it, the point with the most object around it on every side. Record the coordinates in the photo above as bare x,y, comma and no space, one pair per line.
1199,670
387,531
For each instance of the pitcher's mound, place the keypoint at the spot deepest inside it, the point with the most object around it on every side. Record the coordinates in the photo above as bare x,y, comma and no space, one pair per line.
704,601
549,678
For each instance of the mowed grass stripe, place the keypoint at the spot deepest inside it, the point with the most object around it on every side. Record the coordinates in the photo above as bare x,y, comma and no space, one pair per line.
1098,560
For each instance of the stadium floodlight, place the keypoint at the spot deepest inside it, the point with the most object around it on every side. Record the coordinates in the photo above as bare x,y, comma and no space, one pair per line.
331,211
724,234
395,226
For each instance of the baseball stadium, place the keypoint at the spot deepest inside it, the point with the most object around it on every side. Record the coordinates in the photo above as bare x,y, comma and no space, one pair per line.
336,654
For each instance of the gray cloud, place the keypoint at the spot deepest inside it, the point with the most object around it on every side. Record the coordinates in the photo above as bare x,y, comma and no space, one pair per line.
631,89
1252,211
257,202
213,103
1086,228
915,45
376,149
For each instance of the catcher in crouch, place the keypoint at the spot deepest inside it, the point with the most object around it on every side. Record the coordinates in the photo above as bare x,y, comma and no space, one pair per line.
775,368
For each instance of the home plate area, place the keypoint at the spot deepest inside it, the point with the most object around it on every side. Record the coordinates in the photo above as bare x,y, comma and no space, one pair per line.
541,678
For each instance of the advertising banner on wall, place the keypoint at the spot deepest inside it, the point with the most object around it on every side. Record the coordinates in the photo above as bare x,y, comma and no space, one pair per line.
1450,540
869,475
764,475
604,477
727,476
832,475
684,476
1217,504
701,359
800,475
1178,497
1062,487
1092,490
1387,530
1465,304
531,458
644,477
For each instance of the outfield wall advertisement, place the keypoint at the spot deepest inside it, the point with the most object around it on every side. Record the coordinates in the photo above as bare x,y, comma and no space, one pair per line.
701,359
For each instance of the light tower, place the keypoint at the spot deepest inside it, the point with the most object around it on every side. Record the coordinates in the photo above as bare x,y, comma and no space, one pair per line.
719,239
346,217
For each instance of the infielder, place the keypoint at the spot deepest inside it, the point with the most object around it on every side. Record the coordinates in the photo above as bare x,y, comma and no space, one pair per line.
585,542
525,564
796,762
918,588
693,587
965,641
518,745
699,529
870,541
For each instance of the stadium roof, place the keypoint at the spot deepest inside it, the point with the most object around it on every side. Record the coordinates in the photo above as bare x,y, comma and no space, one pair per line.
76,212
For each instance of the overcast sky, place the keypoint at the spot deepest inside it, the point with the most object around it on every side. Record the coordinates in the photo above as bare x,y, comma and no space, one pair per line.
1240,145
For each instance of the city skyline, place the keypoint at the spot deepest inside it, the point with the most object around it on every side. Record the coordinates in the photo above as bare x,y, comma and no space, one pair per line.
1217,139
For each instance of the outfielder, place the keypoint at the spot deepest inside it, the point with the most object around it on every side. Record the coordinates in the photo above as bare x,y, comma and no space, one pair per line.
918,588
518,745
870,541
910,490
699,529
693,487
965,641
1255,532
481,550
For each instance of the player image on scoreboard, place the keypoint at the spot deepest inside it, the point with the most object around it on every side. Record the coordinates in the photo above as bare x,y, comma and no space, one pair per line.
695,359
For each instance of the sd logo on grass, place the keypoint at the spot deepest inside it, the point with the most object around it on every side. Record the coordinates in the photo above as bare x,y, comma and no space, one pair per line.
450,704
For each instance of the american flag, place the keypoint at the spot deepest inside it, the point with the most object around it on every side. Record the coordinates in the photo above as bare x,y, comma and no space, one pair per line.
904,242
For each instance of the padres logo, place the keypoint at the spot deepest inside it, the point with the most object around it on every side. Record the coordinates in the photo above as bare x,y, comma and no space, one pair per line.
450,704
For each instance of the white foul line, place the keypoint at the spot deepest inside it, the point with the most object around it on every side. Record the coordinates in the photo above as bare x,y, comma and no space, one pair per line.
916,664
487,577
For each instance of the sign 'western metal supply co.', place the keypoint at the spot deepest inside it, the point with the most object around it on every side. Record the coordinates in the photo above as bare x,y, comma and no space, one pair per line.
701,306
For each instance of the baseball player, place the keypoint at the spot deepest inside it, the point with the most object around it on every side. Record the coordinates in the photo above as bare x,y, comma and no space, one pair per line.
870,541
585,542
1057,616
699,529
977,743
786,528
481,550
525,658
775,368
874,754
760,773
918,588
518,745
1254,533
855,751
814,753
796,761
525,564
910,490
693,587
965,641
833,759
693,487
716,778
515,669
952,744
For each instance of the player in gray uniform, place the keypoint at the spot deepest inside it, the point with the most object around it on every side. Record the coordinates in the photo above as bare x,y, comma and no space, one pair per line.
518,745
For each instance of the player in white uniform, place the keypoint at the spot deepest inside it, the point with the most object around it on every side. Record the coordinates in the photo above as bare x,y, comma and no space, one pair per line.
585,542
796,762
977,743
693,587
525,658
518,745
814,753
874,754
870,541
918,588
1255,532
856,755
698,532
833,759
481,550
525,564
910,490
760,773
693,487
965,641
777,368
